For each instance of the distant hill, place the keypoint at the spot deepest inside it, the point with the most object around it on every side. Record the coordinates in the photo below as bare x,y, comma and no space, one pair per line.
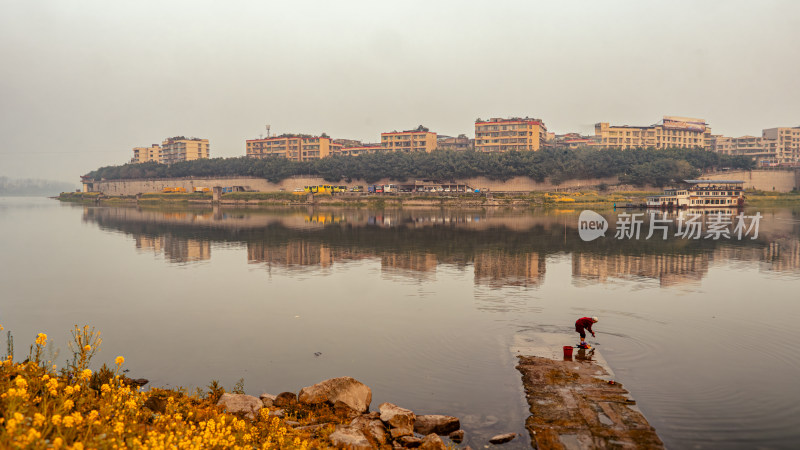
10,187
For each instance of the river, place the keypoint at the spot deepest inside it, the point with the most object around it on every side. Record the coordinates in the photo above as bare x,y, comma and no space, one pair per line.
422,305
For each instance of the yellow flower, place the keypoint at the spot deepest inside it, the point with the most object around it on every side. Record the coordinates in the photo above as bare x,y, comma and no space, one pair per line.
87,347
86,373
105,388
20,382
11,426
56,419
119,360
38,419
93,414
33,435
68,404
45,377
19,417
77,446
41,339
68,390
77,417
76,388
119,427
68,421
57,443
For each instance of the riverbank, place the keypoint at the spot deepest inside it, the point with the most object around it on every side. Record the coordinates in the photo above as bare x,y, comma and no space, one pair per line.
586,199
536,199
77,408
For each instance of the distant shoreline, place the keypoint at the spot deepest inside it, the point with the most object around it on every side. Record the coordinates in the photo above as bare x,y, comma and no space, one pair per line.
459,200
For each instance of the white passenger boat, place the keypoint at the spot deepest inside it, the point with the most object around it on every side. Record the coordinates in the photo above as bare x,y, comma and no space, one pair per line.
701,194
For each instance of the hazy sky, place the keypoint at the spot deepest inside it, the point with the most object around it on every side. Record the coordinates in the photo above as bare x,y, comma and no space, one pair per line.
83,82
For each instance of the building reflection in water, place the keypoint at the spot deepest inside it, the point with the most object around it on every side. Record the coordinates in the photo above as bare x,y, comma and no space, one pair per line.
498,269
176,249
502,248
668,269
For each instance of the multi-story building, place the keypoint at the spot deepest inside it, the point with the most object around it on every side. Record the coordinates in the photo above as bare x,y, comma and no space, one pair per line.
180,148
349,143
784,143
296,147
145,154
460,143
359,150
419,140
671,132
515,134
572,140
754,147
776,146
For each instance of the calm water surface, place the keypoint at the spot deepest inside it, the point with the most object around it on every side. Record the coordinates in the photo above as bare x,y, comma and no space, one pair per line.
423,306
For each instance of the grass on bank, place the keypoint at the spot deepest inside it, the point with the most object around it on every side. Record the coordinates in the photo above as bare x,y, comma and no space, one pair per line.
75,408
767,197
588,197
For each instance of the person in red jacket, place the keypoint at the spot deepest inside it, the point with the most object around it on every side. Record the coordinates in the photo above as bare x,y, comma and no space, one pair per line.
584,323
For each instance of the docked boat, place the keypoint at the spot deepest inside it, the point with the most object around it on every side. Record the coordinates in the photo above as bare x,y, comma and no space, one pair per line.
701,194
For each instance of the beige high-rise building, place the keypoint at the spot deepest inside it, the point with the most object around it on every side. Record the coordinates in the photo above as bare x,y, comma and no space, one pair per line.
295,147
172,150
180,148
145,154
776,146
754,147
504,135
671,132
419,140
784,143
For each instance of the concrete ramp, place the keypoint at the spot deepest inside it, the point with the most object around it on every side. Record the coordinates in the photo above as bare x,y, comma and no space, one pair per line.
575,402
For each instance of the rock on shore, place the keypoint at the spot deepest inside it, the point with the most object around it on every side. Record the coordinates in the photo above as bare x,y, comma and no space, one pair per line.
349,391
391,425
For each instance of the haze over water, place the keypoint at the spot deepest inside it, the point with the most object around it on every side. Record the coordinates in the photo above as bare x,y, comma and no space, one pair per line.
421,305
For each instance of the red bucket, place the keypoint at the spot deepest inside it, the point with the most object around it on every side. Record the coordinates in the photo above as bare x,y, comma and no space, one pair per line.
567,351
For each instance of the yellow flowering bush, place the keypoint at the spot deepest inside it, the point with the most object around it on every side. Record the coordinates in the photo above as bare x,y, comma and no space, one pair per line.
76,409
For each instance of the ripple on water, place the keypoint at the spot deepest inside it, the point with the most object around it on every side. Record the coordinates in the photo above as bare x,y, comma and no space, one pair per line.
728,396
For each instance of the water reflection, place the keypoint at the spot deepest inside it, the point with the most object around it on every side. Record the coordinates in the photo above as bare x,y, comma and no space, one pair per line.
175,249
502,248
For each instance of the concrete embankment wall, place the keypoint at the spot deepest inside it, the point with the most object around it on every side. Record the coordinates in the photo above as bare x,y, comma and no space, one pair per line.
764,180
517,184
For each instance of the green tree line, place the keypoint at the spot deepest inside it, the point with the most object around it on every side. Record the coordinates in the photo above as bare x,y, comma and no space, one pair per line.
642,166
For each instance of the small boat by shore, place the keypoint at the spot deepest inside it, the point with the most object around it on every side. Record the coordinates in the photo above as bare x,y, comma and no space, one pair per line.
701,194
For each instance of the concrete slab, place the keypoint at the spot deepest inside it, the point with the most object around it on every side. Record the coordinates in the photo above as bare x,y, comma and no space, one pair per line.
573,402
